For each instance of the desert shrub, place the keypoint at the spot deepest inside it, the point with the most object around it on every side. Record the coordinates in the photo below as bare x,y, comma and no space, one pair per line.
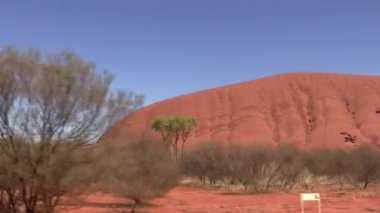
254,167
193,166
44,179
364,165
237,157
359,166
316,161
205,161
262,168
67,172
332,164
258,168
292,166
139,171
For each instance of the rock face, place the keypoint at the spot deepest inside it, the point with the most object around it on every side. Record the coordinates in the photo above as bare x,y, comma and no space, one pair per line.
306,109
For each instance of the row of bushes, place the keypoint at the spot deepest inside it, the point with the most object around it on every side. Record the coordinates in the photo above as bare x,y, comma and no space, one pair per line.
144,170
137,171
258,168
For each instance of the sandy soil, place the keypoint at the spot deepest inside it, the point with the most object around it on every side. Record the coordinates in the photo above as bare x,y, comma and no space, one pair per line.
194,199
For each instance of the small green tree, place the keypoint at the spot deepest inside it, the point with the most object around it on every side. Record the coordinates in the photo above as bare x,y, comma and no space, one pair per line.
173,130
187,124
161,125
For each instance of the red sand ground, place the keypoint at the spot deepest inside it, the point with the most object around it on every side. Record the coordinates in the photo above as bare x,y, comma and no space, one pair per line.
196,200
307,109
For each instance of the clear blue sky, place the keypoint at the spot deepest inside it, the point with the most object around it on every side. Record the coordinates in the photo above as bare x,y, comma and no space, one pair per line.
164,48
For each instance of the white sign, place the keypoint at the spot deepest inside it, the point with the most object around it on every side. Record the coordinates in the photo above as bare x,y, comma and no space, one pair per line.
310,197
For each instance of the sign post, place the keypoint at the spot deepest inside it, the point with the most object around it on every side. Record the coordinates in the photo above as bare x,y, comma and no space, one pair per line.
310,197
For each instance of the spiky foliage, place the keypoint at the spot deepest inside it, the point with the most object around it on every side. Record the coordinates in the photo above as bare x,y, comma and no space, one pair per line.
173,130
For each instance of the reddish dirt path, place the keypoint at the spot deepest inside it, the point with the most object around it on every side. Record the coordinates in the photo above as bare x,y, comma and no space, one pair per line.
188,199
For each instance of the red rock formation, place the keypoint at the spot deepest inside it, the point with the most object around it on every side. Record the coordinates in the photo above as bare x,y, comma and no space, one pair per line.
307,109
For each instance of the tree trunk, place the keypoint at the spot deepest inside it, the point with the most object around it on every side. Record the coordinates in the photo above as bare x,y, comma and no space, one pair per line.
365,184
30,207
11,202
174,153
134,205
50,202
175,146
175,150
182,148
